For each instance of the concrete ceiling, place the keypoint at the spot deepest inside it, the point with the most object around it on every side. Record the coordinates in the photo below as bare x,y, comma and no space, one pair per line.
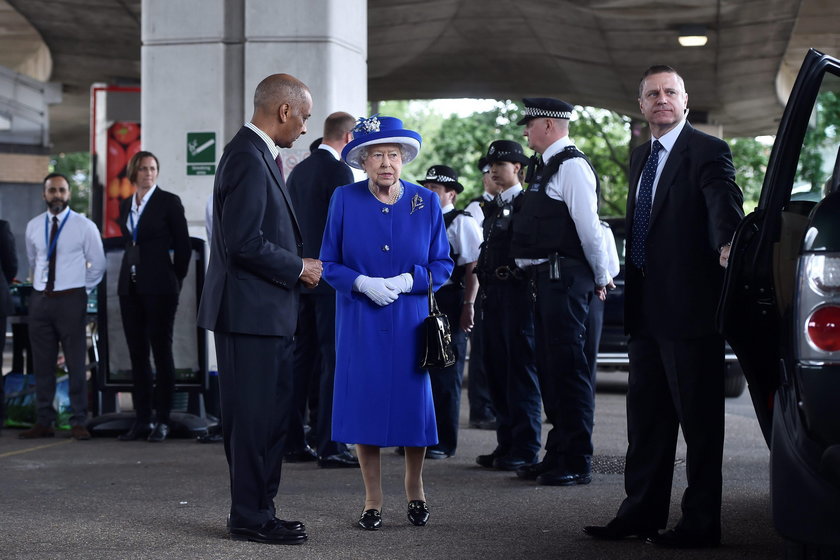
588,52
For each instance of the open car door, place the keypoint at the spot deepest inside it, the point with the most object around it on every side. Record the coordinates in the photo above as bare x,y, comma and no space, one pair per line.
756,313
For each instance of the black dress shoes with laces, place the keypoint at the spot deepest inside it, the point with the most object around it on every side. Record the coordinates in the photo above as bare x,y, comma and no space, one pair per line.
680,539
339,461
305,455
486,461
370,520
617,530
139,430
531,472
563,478
160,433
418,512
508,463
296,526
272,532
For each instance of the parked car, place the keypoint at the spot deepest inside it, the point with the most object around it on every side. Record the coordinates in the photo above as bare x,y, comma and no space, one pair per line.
612,350
780,311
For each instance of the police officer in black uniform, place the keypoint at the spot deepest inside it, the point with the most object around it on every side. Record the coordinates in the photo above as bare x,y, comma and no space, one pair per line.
456,298
482,413
557,238
508,322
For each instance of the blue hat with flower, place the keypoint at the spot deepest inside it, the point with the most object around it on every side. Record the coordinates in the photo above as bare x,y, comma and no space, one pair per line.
380,130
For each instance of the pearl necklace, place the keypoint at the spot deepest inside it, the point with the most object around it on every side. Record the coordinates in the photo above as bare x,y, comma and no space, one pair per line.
392,198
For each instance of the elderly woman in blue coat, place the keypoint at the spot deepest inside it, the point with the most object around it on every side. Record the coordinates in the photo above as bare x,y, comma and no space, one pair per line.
384,238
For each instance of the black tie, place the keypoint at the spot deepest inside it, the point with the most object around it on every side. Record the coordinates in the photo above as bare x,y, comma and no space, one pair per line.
51,269
641,215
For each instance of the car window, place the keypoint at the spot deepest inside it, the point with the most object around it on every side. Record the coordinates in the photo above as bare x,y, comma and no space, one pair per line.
820,145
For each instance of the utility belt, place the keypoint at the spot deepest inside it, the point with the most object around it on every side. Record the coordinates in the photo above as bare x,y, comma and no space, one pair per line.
502,274
554,266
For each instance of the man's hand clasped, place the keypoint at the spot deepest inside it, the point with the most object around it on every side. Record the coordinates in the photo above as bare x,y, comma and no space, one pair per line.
311,275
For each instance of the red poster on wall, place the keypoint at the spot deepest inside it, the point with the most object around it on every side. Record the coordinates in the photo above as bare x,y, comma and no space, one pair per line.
113,142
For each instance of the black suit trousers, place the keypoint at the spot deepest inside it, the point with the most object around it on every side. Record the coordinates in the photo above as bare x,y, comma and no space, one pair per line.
446,382
673,384
314,359
255,382
148,322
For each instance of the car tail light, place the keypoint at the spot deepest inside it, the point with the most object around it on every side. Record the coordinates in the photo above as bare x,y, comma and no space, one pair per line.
818,308
824,328
824,273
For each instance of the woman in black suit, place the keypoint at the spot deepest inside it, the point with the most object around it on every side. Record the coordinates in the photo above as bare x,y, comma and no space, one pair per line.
8,269
153,225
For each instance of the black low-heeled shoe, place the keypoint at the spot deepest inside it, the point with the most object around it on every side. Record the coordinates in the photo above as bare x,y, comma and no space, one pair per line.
418,512
370,520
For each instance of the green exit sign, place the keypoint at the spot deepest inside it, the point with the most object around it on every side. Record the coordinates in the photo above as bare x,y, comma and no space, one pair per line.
201,153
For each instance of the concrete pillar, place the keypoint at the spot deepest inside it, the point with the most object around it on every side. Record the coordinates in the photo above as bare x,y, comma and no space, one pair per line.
202,59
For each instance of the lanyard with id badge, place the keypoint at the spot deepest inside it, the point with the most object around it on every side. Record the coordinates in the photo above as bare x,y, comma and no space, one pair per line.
51,245
132,250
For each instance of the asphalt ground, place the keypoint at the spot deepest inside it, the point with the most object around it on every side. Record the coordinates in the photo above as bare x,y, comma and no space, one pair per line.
104,499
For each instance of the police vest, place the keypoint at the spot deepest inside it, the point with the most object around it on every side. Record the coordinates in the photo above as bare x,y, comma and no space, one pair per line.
543,225
459,271
498,232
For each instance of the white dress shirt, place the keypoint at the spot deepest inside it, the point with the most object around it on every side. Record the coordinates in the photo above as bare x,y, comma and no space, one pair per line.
137,209
465,238
668,140
79,257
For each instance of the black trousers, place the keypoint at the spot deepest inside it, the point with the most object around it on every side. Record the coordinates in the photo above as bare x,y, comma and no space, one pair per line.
509,360
446,383
148,321
481,406
314,370
674,383
566,384
2,379
255,383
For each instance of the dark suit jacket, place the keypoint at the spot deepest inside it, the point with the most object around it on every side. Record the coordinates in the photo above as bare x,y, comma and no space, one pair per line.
696,208
8,268
251,285
162,227
311,185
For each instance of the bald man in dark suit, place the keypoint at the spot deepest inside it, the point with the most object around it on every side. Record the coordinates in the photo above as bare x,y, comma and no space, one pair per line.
682,210
250,301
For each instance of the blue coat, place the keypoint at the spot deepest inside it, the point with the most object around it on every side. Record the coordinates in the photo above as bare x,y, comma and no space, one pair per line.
381,396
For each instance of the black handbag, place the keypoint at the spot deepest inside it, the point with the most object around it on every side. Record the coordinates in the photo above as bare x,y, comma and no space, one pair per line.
437,335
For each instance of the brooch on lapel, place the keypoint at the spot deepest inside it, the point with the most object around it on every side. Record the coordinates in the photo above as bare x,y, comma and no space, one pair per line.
416,203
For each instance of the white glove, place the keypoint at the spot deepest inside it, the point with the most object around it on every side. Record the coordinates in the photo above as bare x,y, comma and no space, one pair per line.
379,290
403,283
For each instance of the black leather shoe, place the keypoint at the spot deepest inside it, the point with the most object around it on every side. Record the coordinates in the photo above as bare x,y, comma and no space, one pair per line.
400,451
160,433
271,532
678,539
617,530
211,437
305,455
486,461
139,430
371,520
296,526
509,463
418,512
484,424
437,454
531,472
563,478
338,461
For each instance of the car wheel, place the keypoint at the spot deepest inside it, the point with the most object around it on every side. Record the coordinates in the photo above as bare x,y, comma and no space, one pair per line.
734,381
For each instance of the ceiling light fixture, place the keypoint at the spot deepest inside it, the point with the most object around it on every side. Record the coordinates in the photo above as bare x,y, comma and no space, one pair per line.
692,35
